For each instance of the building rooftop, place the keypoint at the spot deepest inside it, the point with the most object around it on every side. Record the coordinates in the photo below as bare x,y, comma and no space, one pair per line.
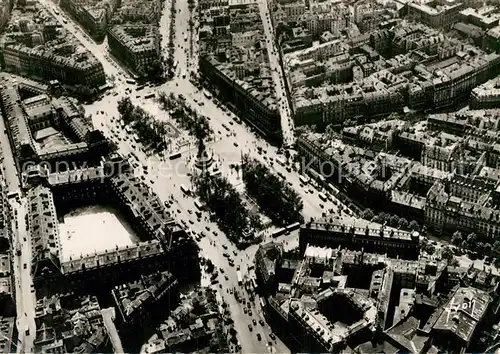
110,257
337,226
140,294
41,111
76,320
429,7
194,321
144,203
7,325
332,335
17,123
5,269
138,11
463,312
236,46
77,176
43,224
137,38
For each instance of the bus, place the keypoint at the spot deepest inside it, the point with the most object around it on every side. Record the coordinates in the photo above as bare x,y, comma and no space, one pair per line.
316,175
254,284
293,226
304,179
332,189
240,278
185,189
13,195
130,81
322,196
175,156
149,95
216,173
279,232
262,303
207,94
198,205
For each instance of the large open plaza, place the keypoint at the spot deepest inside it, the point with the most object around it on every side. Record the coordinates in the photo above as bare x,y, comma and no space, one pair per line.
92,229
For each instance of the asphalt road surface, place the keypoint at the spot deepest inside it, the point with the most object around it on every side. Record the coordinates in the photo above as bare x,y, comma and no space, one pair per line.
25,296
287,125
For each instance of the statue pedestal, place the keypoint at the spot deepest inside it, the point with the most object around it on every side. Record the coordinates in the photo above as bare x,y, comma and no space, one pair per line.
204,161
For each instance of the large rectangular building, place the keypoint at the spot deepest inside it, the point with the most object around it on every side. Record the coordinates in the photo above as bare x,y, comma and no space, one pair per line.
137,45
333,234
252,100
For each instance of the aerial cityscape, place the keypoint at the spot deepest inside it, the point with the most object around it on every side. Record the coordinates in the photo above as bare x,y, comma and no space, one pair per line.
249,176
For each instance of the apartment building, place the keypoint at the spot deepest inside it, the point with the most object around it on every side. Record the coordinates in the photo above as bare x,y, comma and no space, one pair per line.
79,69
137,45
435,14
94,16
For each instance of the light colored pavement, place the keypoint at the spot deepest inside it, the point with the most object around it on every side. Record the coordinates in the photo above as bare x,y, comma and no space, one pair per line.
284,106
108,316
7,159
25,299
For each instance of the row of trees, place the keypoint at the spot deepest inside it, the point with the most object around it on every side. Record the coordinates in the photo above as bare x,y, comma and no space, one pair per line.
188,119
471,241
222,199
277,200
148,129
391,220
171,44
446,252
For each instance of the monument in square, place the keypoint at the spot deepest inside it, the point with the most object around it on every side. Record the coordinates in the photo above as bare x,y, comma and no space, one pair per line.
204,159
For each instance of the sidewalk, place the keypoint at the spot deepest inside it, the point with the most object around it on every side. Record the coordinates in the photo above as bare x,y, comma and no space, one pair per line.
108,315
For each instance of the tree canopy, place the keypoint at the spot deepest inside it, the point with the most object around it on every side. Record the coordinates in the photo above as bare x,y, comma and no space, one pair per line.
224,201
149,130
276,199
196,125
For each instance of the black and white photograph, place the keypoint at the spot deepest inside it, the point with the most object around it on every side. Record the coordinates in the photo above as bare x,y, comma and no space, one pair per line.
249,176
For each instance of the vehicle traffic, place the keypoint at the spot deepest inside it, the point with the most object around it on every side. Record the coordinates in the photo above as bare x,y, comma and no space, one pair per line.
175,156
185,189
304,179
